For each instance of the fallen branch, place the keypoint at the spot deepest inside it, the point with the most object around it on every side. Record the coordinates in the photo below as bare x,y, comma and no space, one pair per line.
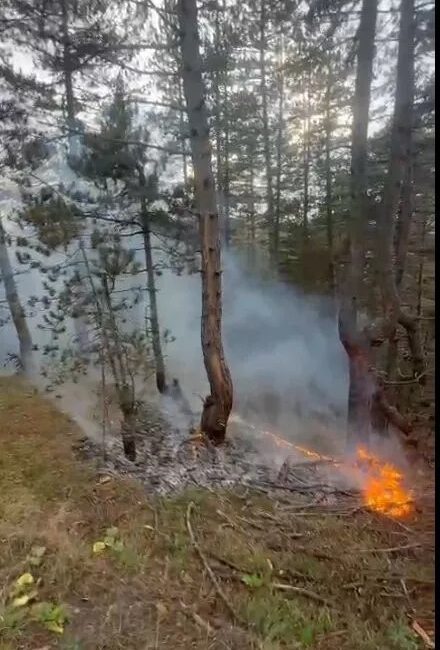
392,549
210,572
303,592
418,629
309,488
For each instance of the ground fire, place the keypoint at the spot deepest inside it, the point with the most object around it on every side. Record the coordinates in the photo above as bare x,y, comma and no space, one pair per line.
382,484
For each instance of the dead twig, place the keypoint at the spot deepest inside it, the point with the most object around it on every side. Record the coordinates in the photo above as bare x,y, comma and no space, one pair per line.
197,619
392,549
418,629
210,572
303,592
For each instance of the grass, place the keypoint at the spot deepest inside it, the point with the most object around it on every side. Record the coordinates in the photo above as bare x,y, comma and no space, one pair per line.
149,588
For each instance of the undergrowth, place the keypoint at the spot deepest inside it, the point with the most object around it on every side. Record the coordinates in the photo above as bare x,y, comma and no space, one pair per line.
108,567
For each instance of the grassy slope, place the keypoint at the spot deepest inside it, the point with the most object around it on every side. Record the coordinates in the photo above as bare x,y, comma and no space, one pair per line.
156,592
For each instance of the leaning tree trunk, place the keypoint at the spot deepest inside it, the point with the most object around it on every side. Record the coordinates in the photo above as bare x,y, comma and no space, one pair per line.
354,342
217,406
17,312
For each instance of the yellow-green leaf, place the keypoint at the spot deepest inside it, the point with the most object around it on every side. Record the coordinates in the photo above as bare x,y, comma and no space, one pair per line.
54,626
99,547
25,579
21,601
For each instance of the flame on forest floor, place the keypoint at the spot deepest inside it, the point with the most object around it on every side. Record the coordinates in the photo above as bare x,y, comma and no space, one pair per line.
383,487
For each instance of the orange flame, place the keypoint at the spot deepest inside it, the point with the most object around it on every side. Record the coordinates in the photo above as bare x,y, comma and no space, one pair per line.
384,491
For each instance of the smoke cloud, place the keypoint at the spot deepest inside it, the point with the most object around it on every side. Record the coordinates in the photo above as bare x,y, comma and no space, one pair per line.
287,364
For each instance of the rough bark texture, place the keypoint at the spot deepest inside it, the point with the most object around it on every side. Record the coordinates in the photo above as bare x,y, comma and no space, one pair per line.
151,288
399,171
354,342
15,307
401,136
217,406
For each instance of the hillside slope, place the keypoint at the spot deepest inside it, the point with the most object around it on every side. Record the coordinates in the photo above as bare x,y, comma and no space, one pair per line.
233,570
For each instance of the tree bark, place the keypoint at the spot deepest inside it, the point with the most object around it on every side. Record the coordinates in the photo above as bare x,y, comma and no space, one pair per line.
218,404
401,137
151,288
252,217
226,173
354,341
328,187
15,307
277,220
72,136
265,124
306,165
398,172
125,393
182,136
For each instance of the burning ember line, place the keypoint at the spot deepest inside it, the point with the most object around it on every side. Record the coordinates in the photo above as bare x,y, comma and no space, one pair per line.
383,484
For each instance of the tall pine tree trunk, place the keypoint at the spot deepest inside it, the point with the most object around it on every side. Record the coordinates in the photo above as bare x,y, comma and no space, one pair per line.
280,134
15,307
328,187
226,173
353,340
72,135
252,217
151,288
182,135
218,404
265,124
398,172
306,165
124,392
218,122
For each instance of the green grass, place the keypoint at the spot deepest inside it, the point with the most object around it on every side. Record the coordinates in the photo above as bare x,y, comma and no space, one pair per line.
152,590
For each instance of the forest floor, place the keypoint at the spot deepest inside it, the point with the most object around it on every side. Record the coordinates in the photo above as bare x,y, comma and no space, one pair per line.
91,562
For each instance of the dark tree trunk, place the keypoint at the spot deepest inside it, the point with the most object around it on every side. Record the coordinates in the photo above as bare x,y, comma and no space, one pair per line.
277,220
328,187
68,81
265,123
306,166
125,393
399,171
354,342
151,288
218,404
182,135
15,307
226,174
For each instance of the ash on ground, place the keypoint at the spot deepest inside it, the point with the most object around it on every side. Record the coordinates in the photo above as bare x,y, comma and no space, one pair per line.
170,459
